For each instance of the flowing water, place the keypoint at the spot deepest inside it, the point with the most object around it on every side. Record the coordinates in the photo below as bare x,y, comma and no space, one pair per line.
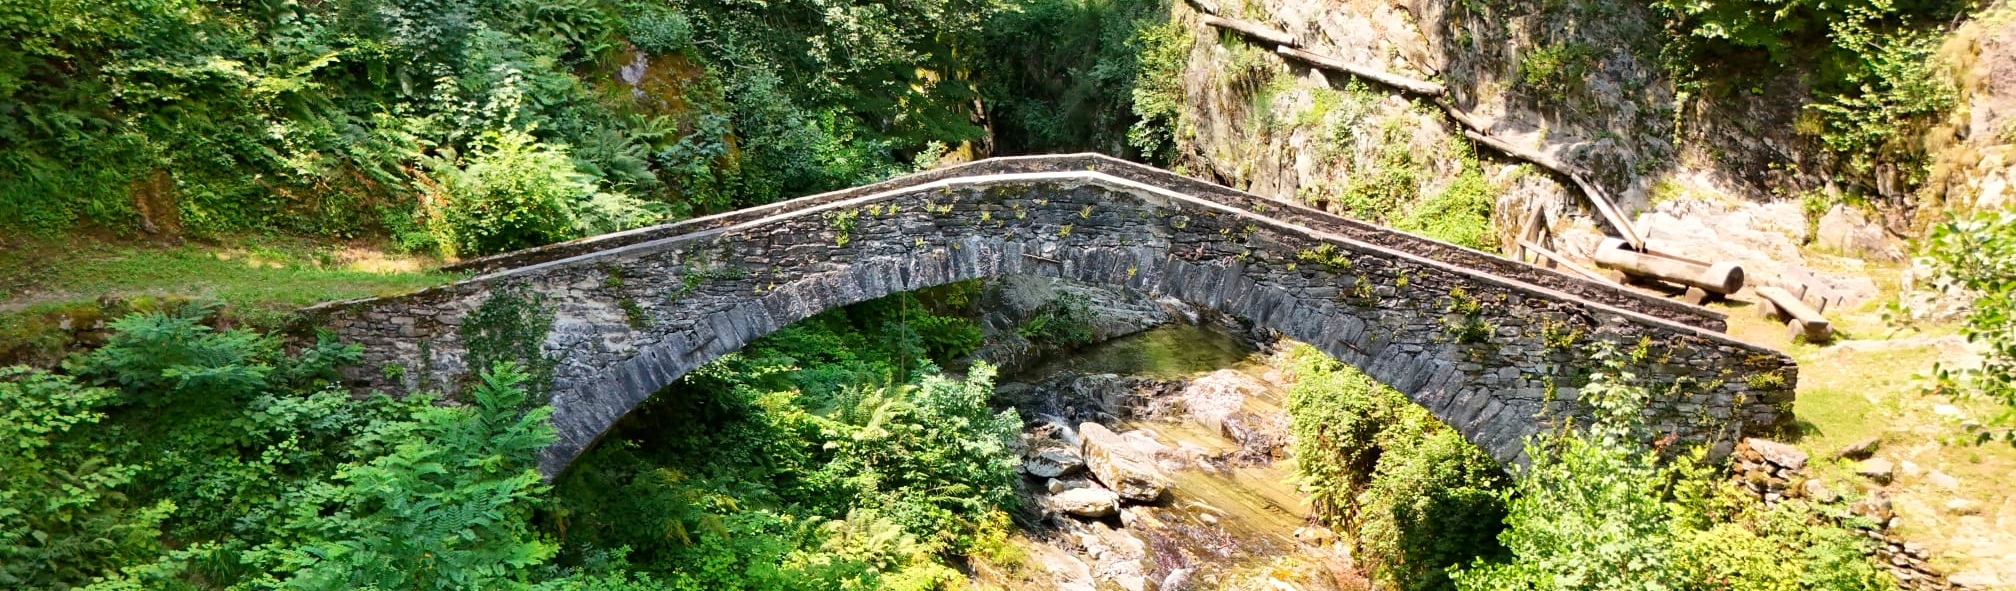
1232,519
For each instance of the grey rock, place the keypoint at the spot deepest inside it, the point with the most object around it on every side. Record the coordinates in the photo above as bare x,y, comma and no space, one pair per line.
1125,464
1052,463
1779,454
1859,450
1086,502
1877,469
1818,492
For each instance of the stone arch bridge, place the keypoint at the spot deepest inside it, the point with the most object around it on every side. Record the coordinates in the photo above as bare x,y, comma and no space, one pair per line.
1488,345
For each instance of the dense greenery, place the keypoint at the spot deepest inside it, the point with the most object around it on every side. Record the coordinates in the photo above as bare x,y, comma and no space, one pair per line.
1415,496
1599,509
474,125
1977,256
180,456
1875,84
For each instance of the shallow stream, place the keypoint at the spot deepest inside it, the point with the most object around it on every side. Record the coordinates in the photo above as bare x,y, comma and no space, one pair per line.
1230,518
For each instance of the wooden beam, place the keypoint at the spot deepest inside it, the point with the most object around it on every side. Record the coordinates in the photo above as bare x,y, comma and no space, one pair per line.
1251,29
1565,263
1609,210
1420,87
1719,278
1802,320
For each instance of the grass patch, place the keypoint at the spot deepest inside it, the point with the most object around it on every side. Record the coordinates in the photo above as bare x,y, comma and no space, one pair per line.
53,291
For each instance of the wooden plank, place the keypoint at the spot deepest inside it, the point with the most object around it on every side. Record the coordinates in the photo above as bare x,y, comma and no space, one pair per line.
1609,210
1585,272
1803,320
1529,229
1420,87
1251,29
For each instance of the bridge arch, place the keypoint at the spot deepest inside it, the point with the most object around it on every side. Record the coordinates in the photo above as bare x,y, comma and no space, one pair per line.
1487,345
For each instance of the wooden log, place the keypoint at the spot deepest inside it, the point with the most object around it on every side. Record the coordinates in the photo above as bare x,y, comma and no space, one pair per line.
1564,262
1420,87
1802,320
1251,29
1605,206
1719,278
1596,196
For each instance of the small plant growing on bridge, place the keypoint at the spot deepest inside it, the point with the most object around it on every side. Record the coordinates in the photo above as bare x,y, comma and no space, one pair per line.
1064,231
1326,255
842,223
634,315
1085,213
1769,380
1470,328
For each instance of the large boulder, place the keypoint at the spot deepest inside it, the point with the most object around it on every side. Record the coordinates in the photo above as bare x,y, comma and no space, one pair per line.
1090,501
1052,463
1125,464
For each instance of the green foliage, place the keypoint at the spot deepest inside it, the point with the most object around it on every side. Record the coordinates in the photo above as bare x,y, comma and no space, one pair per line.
64,516
1554,71
357,118
1062,323
805,462
1599,509
1063,74
511,326
1874,81
1459,213
1158,90
1977,255
447,507
1416,497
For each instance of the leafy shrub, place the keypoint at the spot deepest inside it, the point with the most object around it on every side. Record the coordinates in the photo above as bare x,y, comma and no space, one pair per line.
1599,509
1062,323
659,29
1415,496
448,507
1460,213
1158,90
1977,255
65,517
511,193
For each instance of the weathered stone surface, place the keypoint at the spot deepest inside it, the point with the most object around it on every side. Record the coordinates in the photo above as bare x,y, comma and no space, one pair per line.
1124,464
1052,463
1860,450
1877,469
1086,502
1779,454
637,310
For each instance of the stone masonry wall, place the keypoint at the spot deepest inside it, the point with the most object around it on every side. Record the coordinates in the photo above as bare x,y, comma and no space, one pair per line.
1495,358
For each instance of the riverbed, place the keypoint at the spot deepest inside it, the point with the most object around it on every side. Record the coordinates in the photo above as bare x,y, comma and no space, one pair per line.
1205,408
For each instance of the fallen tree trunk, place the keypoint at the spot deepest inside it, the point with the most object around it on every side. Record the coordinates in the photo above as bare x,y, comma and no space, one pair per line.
1420,87
1252,29
1719,278
1550,255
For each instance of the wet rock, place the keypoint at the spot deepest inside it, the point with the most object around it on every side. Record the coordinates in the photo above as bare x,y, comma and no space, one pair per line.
1086,502
1879,470
1860,450
1125,464
1052,463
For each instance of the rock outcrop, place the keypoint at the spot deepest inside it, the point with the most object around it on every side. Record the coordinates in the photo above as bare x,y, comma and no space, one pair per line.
1124,463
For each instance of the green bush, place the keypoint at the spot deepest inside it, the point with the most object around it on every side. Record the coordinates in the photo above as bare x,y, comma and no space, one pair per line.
65,517
1459,213
1599,509
1977,256
1415,497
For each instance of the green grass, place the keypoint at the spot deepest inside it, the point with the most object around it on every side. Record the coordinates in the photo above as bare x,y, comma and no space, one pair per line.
53,292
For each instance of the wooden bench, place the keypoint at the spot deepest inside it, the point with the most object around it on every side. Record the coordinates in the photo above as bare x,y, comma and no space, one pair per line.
1802,320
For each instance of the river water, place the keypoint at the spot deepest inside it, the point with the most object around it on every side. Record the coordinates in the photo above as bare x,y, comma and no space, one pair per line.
1231,519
